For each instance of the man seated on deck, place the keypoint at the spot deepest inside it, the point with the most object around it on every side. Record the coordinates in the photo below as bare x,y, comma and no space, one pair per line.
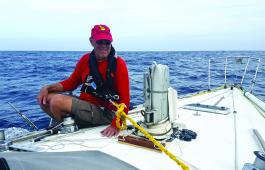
103,76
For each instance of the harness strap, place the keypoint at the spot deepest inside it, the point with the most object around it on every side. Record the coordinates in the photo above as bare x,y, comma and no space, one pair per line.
95,84
97,77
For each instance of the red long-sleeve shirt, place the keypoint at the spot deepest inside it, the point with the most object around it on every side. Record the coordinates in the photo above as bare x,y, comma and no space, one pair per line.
121,82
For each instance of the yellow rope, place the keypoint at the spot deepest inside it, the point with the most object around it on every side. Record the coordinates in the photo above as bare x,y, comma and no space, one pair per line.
121,115
120,108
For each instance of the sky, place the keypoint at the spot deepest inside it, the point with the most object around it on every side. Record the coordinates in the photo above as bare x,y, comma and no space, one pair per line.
136,25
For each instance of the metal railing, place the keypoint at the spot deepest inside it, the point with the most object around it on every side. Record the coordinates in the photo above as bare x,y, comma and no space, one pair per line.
239,60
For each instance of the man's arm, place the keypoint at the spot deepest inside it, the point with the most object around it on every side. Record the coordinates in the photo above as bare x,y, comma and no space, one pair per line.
43,95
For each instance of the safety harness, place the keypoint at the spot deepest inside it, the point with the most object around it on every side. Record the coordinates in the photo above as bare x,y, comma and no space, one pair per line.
95,84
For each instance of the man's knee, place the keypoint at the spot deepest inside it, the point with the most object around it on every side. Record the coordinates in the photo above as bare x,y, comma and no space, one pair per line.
60,101
55,99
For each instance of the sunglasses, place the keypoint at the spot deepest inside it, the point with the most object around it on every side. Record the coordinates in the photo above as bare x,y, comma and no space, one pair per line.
103,42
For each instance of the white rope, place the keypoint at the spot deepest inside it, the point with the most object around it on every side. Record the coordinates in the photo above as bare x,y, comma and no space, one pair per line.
63,143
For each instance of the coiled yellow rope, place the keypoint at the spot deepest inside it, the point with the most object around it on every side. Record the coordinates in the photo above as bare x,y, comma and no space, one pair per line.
123,116
119,115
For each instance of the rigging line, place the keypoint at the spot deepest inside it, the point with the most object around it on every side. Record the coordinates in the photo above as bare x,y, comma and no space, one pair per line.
209,74
177,142
255,76
79,139
241,83
61,137
225,70
235,131
24,117
234,109
236,72
63,144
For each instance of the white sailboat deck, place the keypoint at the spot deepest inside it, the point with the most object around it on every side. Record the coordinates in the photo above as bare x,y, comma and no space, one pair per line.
224,141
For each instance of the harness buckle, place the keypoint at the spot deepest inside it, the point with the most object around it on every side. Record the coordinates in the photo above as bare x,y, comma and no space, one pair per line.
116,97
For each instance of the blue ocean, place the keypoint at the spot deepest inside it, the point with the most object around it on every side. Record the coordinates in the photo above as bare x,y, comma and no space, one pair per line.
23,73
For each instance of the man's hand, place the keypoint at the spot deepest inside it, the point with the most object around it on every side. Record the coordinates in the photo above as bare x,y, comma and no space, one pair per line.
110,131
42,97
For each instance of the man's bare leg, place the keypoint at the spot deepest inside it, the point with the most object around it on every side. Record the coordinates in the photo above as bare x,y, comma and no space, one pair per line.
57,106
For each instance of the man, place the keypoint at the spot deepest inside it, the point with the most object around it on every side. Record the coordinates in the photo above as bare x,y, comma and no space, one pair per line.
103,76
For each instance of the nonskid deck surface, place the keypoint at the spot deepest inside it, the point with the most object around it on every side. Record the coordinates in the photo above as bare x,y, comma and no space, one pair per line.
224,141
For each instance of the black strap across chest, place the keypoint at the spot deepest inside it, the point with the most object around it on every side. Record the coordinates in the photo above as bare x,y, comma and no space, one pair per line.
110,72
97,86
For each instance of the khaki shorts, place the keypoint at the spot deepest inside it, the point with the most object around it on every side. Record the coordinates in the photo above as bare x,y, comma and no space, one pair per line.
89,115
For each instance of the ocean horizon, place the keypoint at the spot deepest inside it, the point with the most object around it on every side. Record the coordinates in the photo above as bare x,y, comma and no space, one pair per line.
23,73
